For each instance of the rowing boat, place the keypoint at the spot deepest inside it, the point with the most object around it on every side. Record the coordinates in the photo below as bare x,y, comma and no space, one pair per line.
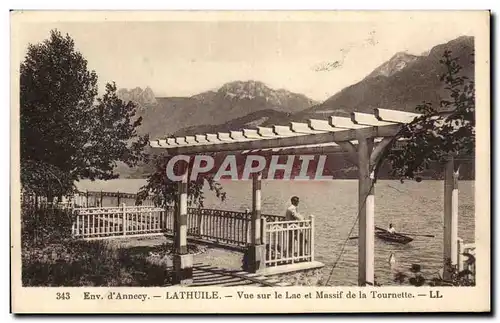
393,237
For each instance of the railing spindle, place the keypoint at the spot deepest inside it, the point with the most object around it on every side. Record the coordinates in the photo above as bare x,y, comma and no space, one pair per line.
311,244
124,219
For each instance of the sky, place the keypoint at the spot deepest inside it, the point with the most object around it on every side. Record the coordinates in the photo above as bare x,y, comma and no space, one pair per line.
183,58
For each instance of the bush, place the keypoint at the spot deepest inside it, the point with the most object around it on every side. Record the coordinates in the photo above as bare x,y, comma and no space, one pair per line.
464,277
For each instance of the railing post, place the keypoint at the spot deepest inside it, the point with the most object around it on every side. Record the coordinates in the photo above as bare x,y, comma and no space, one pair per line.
311,243
256,252
263,231
460,257
182,260
200,221
450,218
124,215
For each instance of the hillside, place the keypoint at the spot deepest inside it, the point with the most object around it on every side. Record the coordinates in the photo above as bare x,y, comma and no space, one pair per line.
400,84
233,100
250,121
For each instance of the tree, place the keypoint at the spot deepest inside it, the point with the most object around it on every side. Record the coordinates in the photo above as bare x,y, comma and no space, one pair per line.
67,133
440,132
164,191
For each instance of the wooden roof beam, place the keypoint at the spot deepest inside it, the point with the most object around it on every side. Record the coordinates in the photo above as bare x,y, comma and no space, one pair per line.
367,119
212,138
266,132
304,128
313,139
251,134
321,125
155,144
237,135
224,136
283,131
298,150
180,141
191,140
202,139
395,115
345,123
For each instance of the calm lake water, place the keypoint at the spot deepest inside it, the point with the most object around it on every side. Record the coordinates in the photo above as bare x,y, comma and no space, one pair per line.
411,207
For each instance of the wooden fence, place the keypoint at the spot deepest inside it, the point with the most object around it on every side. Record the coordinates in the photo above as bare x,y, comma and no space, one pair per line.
219,226
288,241
104,222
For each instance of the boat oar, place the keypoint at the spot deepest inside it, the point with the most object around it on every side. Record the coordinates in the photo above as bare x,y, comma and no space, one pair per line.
408,234
418,235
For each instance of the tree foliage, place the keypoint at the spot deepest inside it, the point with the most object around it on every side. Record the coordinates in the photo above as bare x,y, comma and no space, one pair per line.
164,191
441,131
67,133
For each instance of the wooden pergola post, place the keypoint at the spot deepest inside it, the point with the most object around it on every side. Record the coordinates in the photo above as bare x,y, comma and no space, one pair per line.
182,260
450,234
366,205
256,252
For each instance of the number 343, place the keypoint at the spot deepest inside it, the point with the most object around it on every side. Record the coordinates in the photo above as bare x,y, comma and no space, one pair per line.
63,296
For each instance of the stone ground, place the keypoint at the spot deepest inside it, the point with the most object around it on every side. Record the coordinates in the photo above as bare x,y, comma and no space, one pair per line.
209,255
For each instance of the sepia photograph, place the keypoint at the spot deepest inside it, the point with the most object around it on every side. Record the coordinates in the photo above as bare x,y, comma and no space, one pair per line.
207,151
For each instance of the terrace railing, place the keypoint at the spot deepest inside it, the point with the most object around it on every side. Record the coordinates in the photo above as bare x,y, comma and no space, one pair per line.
105,222
226,227
288,242
219,226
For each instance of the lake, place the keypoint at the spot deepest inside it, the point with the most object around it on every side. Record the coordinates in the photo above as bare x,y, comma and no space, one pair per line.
410,206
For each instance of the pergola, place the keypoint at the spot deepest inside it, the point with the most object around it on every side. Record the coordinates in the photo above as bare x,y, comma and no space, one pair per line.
363,137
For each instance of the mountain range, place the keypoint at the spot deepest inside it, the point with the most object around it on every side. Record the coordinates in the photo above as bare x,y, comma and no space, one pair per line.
401,83
167,115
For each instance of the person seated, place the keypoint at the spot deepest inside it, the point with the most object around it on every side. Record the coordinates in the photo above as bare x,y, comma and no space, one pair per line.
391,229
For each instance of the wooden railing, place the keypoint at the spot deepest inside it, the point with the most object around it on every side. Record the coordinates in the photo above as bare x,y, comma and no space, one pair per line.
225,227
102,222
211,225
220,226
288,242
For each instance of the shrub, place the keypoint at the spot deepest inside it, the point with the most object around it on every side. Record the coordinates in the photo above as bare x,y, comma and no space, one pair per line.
457,277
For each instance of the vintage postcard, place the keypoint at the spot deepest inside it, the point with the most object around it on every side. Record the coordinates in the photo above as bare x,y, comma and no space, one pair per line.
250,162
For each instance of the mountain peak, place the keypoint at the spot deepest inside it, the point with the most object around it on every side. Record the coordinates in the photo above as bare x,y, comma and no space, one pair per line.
397,62
252,89
138,95
245,88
